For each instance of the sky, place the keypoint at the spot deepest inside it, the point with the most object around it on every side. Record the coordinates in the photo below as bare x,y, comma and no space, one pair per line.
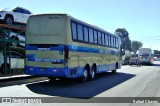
141,18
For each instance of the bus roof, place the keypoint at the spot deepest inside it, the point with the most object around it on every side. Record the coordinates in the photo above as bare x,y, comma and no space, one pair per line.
82,22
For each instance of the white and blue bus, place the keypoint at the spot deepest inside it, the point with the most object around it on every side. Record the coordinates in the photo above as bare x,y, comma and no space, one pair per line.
60,46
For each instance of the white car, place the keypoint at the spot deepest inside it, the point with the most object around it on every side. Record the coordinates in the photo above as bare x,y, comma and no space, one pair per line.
17,61
155,59
15,15
19,38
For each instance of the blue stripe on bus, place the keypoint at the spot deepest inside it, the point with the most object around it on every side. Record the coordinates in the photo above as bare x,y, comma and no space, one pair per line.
82,49
31,57
65,71
28,47
74,49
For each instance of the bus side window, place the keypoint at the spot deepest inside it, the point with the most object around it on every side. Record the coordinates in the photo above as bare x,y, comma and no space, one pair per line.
91,35
99,38
117,42
109,40
95,37
106,38
103,39
80,32
86,34
114,42
74,31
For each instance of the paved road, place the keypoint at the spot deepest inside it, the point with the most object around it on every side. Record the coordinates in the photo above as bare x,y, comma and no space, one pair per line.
132,81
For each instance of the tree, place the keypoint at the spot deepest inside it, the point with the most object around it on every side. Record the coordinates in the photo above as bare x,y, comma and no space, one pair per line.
124,35
156,52
136,45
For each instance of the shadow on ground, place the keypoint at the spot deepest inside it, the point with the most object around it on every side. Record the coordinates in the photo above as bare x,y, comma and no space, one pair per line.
73,89
156,65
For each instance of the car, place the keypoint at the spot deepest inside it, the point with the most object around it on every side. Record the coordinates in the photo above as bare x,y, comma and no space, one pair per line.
15,15
18,37
155,59
126,61
15,36
134,61
17,61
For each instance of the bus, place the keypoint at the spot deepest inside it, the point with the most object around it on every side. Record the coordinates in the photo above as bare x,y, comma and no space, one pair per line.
61,46
146,55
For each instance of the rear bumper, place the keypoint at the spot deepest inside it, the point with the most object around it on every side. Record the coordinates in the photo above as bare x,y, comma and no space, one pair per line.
41,71
53,72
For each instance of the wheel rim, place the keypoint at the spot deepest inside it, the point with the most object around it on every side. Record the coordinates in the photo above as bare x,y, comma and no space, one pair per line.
93,74
85,75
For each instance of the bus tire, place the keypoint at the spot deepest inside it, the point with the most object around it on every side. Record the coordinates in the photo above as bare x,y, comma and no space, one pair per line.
92,74
84,78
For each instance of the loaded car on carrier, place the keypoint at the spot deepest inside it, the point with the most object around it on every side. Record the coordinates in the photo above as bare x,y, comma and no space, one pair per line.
15,15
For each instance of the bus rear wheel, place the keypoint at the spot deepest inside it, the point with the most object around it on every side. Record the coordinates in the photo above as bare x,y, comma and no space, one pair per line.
84,78
93,73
